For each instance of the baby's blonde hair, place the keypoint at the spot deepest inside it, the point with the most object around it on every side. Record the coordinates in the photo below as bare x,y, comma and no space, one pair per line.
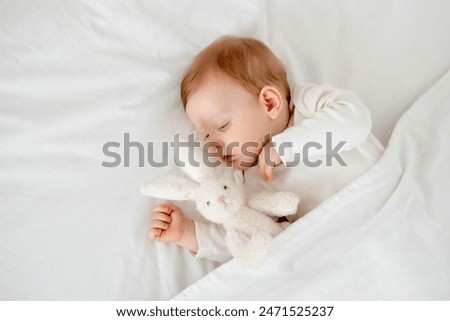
246,60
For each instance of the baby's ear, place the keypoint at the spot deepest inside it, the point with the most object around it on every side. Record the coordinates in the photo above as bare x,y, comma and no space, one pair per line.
271,100
171,188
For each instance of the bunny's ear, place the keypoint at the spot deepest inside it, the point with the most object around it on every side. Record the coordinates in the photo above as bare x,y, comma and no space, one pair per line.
194,163
171,187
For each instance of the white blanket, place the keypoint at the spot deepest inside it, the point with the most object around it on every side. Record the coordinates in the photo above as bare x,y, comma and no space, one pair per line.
75,75
385,236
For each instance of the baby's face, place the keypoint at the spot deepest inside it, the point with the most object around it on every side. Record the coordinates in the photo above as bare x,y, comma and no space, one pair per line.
229,117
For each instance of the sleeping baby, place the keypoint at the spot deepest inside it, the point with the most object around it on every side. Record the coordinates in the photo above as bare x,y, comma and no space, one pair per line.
313,141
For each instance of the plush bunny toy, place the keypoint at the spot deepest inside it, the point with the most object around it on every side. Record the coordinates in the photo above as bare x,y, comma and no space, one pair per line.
222,200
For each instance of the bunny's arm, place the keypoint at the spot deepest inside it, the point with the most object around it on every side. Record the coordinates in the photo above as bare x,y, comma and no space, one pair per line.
242,248
248,251
275,204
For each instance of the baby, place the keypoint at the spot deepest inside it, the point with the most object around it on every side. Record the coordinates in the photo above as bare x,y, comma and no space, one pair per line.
313,142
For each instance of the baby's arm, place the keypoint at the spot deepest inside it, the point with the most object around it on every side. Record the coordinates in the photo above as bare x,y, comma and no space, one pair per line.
211,242
203,240
326,109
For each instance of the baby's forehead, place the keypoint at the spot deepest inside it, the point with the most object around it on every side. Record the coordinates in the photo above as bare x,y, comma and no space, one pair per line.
208,104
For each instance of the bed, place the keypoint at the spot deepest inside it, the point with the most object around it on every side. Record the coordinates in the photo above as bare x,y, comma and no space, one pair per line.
76,75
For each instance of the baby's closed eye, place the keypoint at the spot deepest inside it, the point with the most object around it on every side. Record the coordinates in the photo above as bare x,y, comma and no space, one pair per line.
225,126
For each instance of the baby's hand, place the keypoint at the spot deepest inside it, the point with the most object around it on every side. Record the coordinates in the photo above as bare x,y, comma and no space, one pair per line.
168,223
268,159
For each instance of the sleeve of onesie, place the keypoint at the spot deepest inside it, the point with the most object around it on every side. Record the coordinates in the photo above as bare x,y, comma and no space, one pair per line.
325,109
211,242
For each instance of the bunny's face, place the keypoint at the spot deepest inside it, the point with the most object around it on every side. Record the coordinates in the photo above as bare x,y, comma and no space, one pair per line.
219,200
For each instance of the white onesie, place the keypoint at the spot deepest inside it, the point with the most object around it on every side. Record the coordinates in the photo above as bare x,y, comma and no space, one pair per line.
309,171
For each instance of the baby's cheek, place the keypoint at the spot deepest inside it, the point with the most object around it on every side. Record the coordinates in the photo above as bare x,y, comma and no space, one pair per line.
250,150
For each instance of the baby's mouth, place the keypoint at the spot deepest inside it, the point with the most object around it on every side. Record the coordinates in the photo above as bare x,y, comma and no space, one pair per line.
227,158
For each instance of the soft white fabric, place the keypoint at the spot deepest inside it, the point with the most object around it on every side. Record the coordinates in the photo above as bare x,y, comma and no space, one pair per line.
211,242
77,74
383,237
318,109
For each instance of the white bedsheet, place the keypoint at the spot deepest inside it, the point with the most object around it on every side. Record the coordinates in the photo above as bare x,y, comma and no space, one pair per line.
75,75
385,236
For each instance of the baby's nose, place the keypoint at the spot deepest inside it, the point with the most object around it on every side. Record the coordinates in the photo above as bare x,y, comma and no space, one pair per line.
221,199
214,147
214,153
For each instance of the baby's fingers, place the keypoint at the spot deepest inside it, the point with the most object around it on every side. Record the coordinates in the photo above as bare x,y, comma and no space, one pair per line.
166,208
265,171
163,208
161,217
154,234
159,224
